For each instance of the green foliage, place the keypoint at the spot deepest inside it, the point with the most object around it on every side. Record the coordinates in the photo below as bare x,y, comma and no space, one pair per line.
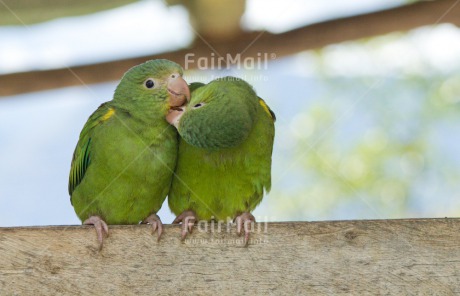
370,144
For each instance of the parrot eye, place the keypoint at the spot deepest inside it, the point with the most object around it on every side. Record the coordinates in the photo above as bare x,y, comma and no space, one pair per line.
149,83
198,105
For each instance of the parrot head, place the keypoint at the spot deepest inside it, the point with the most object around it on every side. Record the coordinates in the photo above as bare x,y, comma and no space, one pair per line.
153,82
220,114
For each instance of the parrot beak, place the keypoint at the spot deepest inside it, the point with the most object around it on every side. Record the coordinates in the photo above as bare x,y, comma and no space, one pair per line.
178,90
174,115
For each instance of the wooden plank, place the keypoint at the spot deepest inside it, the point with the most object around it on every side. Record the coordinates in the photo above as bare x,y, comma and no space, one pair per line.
379,257
250,44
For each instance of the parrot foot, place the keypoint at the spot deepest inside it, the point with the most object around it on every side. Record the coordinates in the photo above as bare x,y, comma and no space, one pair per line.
101,228
155,221
243,222
188,219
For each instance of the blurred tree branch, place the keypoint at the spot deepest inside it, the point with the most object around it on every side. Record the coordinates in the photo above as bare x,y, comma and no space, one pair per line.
20,12
249,45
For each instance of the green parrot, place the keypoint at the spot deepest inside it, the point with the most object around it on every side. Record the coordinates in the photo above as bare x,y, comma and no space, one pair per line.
123,164
225,150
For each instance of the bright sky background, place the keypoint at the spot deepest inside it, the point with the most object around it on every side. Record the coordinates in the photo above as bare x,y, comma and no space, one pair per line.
39,131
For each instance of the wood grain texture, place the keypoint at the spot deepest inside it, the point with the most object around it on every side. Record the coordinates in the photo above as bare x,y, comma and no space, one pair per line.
248,44
381,257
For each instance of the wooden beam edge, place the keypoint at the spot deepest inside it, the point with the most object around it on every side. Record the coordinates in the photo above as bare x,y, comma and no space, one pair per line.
270,223
356,257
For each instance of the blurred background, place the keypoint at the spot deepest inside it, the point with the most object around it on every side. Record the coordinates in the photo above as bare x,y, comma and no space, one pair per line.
366,93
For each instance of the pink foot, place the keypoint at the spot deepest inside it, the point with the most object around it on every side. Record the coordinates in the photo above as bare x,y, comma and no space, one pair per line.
244,221
155,221
101,228
188,219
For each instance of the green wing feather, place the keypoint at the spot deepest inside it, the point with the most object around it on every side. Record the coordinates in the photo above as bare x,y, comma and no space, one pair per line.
82,154
267,109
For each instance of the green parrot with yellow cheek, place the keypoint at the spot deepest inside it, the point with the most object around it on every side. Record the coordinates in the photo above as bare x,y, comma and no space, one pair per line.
123,164
225,150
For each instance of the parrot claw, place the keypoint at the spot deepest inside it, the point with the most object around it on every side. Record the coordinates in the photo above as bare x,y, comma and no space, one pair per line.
188,219
242,223
155,221
101,228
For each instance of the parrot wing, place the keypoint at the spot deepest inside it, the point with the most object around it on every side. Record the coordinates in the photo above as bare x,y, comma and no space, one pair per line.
270,132
267,109
82,155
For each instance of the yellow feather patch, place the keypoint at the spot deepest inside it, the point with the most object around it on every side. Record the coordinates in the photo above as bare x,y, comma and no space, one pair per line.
109,114
264,105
